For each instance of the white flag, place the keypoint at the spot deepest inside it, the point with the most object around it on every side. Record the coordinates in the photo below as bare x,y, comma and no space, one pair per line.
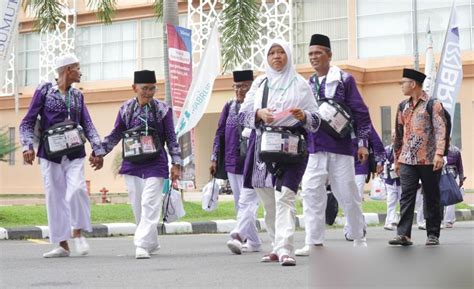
449,77
200,91
9,11
430,65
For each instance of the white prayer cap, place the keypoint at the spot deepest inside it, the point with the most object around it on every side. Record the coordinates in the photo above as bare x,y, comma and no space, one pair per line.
65,60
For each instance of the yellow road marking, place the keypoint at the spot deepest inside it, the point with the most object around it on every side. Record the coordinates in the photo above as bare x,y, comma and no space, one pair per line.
38,241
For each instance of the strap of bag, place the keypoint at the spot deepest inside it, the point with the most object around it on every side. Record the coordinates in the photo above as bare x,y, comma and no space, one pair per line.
212,194
265,93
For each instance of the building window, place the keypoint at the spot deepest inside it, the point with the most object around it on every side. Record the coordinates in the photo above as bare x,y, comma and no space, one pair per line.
107,51
152,53
386,116
438,13
325,17
152,57
456,129
387,30
11,138
27,59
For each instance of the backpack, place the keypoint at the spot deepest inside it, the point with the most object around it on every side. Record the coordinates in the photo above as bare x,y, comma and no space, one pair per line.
447,117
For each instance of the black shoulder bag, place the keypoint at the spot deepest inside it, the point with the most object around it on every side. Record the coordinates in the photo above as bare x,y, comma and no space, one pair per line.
65,137
141,143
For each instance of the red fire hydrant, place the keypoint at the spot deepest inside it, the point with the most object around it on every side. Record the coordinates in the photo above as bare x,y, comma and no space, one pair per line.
104,195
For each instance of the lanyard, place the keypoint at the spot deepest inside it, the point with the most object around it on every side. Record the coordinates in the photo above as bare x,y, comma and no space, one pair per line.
67,99
145,120
316,87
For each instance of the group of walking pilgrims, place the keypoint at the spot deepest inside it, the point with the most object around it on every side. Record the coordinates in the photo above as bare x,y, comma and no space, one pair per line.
279,131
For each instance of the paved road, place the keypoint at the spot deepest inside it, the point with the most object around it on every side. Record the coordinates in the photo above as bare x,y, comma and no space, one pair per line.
202,261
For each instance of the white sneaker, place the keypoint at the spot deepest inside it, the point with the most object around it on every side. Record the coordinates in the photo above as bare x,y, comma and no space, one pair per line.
422,227
360,242
303,251
246,248
389,227
56,253
141,253
82,248
154,250
235,246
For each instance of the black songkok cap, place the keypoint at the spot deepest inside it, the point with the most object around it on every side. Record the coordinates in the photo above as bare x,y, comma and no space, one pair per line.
319,39
414,74
242,75
144,76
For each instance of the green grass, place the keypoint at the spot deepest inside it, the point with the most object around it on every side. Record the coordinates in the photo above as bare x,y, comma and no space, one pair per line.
18,216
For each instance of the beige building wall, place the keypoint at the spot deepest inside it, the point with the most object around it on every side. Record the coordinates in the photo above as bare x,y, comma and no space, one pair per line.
377,80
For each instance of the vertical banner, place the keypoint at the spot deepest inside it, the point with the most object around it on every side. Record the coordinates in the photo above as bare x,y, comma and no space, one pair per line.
449,77
430,64
201,86
9,10
180,64
180,76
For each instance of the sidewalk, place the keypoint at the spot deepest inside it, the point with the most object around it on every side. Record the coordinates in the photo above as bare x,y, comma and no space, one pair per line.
208,227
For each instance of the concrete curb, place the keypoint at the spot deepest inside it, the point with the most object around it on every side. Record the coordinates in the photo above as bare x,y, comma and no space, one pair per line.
209,227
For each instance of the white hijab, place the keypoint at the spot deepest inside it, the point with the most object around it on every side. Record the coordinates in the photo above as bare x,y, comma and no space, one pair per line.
287,89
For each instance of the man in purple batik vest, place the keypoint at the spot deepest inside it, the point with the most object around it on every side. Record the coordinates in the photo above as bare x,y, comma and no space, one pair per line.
66,198
330,157
244,237
144,179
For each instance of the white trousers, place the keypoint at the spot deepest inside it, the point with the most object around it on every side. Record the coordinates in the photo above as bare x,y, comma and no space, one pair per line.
67,203
360,183
449,214
393,197
246,227
339,170
236,184
420,215
146,199
280,216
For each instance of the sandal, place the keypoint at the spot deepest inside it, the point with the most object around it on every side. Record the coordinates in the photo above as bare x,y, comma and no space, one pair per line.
269,258
287,261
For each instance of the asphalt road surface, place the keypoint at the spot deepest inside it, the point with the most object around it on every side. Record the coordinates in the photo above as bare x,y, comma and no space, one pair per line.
203,261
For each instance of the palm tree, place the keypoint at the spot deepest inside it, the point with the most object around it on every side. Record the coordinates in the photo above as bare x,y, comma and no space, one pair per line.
6,146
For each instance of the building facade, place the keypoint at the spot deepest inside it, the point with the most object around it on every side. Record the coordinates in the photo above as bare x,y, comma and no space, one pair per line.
371,39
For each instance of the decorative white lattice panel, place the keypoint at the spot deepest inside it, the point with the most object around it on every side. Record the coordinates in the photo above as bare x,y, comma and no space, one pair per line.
8,88
275,17
57,42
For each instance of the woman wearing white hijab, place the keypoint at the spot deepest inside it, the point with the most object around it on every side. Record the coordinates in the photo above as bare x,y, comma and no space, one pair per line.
290,104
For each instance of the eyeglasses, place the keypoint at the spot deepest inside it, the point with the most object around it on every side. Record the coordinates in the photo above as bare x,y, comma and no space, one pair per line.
240,86
404,81
148,88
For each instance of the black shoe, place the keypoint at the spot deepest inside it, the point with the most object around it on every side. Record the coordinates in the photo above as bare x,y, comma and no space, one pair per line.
432,241
401,240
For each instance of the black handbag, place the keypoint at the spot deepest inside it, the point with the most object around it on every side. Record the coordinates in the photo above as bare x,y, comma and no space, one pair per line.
281,145
336,117
220,169
449,189
65,137
141,143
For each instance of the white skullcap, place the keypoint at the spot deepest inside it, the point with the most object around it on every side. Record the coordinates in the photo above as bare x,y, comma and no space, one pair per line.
65,60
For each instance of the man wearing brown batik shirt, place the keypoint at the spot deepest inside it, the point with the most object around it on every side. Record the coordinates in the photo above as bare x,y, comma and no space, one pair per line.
419,147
